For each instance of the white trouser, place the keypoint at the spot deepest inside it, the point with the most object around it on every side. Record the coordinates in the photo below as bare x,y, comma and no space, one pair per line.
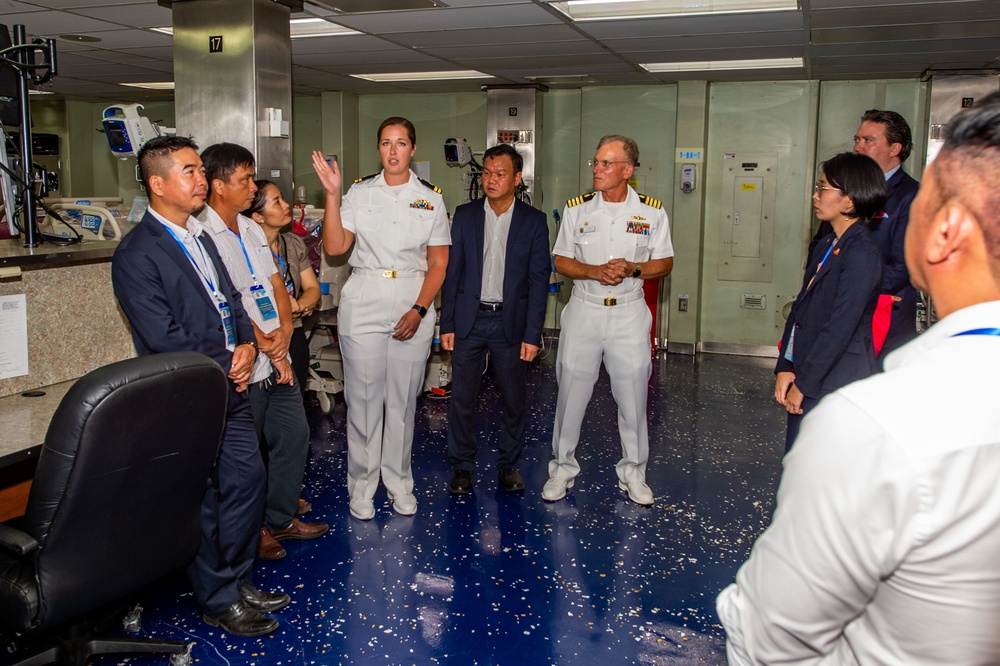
382,378
618,335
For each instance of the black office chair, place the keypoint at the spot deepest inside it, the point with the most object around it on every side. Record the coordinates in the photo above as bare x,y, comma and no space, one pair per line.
114,505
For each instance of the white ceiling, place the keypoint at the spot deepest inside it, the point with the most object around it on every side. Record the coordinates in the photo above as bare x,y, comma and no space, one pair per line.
521,41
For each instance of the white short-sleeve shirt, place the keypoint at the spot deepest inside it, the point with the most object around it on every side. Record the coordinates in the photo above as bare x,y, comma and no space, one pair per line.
593,232
259,253
394,226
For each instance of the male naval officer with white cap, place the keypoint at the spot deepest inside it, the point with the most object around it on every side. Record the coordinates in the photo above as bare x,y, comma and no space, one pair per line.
610,240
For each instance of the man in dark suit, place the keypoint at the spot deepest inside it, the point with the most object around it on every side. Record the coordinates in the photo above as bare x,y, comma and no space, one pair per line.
493,300
885,137
175,291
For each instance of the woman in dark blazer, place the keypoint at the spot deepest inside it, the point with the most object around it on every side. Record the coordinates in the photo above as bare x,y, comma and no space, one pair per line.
827,341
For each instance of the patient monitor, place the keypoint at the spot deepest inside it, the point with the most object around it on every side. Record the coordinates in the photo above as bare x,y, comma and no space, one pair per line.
127,131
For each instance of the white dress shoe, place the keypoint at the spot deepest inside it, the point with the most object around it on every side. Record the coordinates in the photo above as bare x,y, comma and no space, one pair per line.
555,489
404,505
638,492
362,509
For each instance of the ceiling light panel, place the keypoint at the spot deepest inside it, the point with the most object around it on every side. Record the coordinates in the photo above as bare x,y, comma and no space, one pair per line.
602,10
722,65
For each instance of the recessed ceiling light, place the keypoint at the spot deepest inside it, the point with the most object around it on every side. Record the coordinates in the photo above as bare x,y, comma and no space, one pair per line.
423,76
598,10
301,28
80,38
720,65
316,27
155,85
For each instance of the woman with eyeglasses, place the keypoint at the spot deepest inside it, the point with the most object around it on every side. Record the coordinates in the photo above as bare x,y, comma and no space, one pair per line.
827,341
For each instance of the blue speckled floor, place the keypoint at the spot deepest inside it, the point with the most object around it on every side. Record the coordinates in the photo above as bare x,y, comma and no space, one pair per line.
493,578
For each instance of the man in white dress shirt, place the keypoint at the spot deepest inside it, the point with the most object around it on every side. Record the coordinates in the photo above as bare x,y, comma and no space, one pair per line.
884,545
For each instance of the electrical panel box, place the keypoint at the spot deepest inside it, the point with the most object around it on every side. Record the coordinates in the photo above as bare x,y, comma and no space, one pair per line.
749,185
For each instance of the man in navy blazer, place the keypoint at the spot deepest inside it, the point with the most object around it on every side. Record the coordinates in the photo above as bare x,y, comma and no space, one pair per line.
175,291
493,300
885,137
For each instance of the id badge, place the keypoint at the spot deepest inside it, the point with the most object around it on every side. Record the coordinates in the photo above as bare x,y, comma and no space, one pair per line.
789,356
227,323
290,286
264,303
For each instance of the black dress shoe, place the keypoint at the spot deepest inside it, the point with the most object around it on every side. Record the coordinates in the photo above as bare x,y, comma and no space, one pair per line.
511,480
461,482
241,620
259,600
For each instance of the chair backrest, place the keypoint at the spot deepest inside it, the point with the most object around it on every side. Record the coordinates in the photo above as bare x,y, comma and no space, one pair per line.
115,502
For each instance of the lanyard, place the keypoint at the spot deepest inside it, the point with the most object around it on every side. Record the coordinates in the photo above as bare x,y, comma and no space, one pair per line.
253,273
286,272
197,267
979,331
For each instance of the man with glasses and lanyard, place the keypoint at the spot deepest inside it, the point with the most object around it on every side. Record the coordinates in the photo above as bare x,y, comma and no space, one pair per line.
279,415
609,241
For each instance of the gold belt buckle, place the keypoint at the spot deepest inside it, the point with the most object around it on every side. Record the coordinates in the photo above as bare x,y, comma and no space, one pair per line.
389,274
610,300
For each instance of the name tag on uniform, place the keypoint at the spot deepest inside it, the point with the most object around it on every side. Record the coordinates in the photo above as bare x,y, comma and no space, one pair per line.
586,229
264,304
227,323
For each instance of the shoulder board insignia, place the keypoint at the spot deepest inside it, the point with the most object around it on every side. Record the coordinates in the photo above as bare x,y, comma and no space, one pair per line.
368,177
650,201
430,185
576,201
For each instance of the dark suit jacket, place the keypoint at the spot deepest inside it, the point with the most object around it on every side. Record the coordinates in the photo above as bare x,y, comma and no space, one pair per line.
525,275
832,318
164,298
890,234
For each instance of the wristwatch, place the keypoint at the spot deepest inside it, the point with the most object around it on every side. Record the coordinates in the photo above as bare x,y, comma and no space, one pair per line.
637,272
421,310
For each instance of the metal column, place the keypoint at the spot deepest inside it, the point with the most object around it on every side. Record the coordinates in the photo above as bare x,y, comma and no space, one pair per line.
232,64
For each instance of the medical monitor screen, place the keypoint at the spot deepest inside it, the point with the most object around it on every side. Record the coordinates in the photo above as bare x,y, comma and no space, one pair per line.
116,136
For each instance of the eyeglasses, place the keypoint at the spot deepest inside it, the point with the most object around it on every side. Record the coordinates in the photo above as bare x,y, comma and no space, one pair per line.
817,188
604,165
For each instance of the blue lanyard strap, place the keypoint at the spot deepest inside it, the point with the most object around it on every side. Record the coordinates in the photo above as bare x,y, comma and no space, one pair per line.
205,277
253,274
979,331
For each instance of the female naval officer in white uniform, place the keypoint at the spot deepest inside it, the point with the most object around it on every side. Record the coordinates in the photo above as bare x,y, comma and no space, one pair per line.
386,318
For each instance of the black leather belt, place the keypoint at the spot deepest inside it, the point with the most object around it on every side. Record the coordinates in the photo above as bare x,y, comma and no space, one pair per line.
491,307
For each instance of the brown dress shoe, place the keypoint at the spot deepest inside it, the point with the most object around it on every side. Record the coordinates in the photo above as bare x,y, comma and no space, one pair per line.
304,507
268,548
300,530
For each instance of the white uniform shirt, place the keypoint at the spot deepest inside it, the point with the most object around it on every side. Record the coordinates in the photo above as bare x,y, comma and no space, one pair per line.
393,230
232,255
885,545
593,234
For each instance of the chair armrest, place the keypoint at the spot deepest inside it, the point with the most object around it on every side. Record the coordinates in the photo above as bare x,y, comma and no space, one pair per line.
16,542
